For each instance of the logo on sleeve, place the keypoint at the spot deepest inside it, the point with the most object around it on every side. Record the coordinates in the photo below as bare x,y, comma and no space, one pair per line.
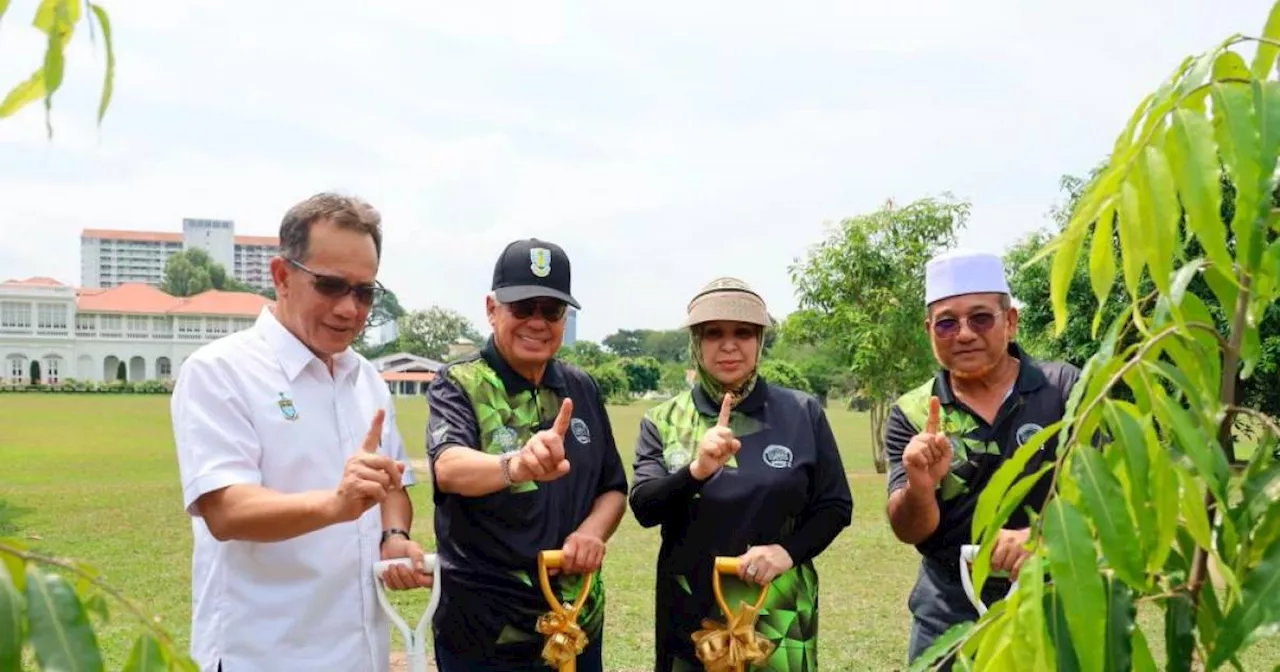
580,430
778,457
438,434
677,457
505,439
1027,431
287,408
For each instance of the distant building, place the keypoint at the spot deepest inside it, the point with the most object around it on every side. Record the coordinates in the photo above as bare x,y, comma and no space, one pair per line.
405,373
87,333
110,258
461,347
570,327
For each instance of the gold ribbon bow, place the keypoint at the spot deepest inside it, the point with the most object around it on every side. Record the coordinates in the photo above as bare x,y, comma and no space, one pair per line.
565,638
728,647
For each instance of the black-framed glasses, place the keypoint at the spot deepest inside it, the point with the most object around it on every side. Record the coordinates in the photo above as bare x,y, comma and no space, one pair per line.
978,323
551,310
334,287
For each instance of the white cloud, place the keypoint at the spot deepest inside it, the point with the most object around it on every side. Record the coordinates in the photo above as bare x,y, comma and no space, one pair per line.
661,144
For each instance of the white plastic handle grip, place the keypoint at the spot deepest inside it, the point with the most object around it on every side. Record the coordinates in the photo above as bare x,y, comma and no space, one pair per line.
415,640
968,554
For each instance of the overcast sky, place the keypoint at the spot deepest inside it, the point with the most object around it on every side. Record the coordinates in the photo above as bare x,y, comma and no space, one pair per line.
660,143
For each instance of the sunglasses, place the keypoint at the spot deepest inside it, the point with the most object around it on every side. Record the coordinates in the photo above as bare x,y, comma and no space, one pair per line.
978,323
334,287
551,310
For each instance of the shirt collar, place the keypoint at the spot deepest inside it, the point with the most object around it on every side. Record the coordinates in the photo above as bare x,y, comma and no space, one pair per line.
513,382
753,402
1030,377
293,356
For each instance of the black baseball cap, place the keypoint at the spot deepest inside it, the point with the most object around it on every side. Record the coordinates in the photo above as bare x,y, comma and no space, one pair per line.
532,268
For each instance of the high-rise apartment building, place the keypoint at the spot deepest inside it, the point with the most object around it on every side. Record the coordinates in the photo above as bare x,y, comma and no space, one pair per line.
110,258
570,328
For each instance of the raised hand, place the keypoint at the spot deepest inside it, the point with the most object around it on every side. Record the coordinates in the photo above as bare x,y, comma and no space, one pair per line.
368,476
927,457
717,445
542,458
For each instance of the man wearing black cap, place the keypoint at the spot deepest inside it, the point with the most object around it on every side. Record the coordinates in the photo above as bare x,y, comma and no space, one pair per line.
523,460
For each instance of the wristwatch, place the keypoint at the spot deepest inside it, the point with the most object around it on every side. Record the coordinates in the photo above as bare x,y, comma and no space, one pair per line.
386,534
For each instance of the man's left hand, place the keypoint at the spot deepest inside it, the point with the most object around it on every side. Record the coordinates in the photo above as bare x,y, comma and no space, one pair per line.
583,552
1010,551
399,577
763,564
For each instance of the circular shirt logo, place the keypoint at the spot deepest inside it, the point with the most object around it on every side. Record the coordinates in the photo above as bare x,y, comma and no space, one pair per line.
778,457
505,439
580,430
677,458
1027,431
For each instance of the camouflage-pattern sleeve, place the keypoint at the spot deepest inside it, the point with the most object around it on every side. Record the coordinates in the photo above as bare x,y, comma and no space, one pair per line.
657,495
452,421
898,431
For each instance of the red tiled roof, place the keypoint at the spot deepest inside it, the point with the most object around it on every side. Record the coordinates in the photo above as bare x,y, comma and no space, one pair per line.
38,281
258,240
137,298
215,302
411,376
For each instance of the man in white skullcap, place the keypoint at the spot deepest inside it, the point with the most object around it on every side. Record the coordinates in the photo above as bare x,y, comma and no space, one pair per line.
946,438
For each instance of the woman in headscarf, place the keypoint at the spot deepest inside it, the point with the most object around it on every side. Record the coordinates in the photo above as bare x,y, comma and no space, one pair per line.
738,467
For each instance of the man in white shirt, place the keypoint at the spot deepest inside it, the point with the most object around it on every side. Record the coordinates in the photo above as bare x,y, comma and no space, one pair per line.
292,468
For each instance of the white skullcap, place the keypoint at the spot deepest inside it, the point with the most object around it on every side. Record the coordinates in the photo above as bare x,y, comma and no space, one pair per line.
963,272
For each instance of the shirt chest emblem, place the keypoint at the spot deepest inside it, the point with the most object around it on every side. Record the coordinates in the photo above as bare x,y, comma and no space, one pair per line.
1027,431
580,430
778,457
287,409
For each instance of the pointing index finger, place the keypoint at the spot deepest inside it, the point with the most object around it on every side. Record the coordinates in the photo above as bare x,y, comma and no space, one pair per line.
934,423
726,407
374,437
561,425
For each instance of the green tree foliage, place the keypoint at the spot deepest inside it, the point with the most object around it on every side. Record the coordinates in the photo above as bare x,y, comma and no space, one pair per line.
1076,343
428,333
643,373
784,373
664,345
862,292
612,379
585,354
1144,500
193,271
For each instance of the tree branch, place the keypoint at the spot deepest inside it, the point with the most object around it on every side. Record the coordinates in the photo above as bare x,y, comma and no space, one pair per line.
96,581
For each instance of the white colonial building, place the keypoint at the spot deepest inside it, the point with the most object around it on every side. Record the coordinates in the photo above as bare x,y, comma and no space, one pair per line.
405,373
88,333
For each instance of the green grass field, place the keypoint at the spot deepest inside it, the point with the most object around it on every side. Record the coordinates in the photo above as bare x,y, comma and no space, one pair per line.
95,478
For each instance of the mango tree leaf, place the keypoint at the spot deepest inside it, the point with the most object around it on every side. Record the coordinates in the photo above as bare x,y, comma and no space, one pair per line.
1266,533
1264,59
1261,490
1105,502
1102,263
1060,274
1235,129
23,94
16,566
1143,661
1194,443
146,656
1133,244
1073,562
1160,207
1163,490
4,5
108,84
51,12
60,631
1032,650
1059,632
941,646
1257,611
12,619
1194,513
1179,635
1122,418
1249,225
1230,65
1012,500
1120,614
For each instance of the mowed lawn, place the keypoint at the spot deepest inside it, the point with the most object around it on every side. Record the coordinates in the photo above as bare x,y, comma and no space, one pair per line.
94,477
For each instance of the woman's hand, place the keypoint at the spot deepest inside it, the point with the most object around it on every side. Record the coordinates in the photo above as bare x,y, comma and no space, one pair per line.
717,445
763,564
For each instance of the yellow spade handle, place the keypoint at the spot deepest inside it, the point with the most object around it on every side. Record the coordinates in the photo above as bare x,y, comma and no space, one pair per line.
727,565
554,560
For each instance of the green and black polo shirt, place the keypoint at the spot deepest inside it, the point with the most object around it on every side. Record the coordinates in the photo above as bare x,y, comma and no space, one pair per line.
785,486
1037,400
488,546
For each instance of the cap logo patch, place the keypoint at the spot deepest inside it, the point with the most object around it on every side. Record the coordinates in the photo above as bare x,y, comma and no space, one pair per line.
540,261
